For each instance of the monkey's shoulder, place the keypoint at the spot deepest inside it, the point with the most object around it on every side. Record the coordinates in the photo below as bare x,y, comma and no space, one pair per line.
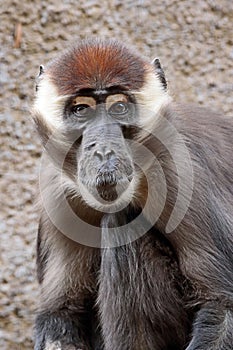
196,116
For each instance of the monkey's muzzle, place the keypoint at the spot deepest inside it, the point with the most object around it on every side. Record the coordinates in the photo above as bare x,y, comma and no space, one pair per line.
107,192
110,184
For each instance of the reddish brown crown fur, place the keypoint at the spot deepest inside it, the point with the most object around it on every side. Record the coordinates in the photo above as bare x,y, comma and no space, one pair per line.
97,65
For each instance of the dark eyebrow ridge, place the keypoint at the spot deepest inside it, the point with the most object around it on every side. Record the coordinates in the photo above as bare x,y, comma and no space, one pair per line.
110,89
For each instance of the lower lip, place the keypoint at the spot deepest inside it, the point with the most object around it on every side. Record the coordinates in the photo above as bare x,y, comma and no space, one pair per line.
108,193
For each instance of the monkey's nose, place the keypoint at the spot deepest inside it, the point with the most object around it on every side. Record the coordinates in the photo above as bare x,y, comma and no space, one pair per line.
104,154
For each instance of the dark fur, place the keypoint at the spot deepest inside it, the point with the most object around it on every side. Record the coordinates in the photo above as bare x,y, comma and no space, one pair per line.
161,292
160,72
147,310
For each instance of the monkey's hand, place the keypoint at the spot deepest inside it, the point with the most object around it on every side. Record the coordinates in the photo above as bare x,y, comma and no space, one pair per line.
212,329
58,346
56,331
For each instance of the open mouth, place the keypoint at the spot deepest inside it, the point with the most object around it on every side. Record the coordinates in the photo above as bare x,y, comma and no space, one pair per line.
109,187
108,192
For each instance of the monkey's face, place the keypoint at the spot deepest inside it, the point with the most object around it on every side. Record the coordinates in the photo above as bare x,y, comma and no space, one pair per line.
91,94
105,168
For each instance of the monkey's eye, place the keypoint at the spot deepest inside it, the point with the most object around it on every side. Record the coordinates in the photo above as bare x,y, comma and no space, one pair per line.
82,110
119,108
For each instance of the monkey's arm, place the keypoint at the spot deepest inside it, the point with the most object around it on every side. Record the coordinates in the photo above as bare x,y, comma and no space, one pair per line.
213,329
66,272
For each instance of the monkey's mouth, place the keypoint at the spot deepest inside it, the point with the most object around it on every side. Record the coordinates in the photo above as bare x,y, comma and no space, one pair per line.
107,192
109,187
108,196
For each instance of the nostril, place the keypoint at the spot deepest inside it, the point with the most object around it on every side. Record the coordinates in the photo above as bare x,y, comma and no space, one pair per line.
104,155
109,154
99,155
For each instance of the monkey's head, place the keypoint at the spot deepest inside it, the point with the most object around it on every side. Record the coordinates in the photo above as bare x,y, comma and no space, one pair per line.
91,96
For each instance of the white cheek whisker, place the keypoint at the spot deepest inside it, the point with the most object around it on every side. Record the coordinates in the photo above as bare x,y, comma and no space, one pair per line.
49,104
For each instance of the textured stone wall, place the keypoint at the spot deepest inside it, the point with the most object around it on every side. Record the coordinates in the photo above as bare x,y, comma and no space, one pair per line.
193,39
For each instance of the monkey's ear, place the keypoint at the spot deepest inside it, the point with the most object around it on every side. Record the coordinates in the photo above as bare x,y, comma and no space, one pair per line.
159,70
38,78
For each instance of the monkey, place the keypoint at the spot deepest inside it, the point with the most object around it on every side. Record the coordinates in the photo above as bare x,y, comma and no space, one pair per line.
134,245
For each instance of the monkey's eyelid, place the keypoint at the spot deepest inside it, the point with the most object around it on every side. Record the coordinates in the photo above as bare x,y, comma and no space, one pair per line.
117,97
112,99
82,105
84,100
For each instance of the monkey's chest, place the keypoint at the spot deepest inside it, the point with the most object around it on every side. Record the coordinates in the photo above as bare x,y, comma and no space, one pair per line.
140,292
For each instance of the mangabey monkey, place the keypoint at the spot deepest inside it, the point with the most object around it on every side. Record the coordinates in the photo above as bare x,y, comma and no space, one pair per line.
148,262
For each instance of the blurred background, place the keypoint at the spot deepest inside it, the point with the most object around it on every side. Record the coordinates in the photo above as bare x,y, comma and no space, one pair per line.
192,38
